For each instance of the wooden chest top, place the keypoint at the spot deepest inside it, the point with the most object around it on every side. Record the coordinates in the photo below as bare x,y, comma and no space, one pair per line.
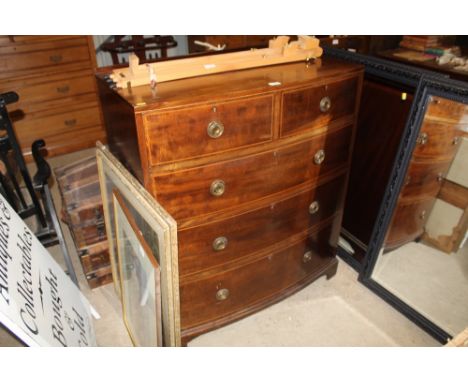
233,84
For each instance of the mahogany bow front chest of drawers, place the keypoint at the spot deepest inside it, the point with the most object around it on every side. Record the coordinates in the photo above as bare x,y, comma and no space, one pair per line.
253,165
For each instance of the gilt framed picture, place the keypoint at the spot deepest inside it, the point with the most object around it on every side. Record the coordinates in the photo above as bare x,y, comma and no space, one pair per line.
139,279
157,227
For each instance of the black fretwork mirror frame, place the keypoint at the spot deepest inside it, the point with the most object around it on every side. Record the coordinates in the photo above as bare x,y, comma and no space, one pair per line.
428,87
426,84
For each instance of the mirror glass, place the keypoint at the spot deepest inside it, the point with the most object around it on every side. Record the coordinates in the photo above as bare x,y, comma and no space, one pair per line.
424,257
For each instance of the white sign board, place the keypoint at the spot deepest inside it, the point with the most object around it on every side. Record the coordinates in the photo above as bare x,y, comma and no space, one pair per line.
38,301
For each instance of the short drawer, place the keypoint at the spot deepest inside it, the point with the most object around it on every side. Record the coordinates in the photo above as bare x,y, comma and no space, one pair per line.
224,294
197,131
317,106
87,235
447,110
408,222
214,244
424,179
92,261
214,187
85,212
437,141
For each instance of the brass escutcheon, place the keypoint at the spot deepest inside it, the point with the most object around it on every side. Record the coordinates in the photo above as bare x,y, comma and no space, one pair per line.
325,104
307,257
440,177
55,58
422,215
456,140
314,207
422,138
215,129
70,122
220,243
222,294
319,157
63,89
217,187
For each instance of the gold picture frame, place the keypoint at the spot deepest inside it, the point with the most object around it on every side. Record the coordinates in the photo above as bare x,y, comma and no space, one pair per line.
114,176
139,279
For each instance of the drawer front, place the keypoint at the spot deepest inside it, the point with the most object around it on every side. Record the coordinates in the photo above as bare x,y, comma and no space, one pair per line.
88,235
36,126
198,131
438,141
35,60
317,106
222,185
99,277
226,293
30,43
95,261
424,179
91,213
408,222
38,93
223,241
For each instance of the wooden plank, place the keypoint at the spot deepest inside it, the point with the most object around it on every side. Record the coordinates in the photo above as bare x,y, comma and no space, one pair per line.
278,52
454,194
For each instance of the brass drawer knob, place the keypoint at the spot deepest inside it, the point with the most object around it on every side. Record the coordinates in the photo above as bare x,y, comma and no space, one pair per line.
215,129
220,243
307,257
222,294
422,215
456,140
325,104
217,187
319,157
314,207
422,139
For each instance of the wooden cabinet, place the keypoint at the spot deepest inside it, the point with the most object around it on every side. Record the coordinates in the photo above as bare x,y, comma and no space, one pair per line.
54,78
254,174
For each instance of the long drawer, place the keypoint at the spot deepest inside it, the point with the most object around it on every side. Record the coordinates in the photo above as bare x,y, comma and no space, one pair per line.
307,108
223,241
408,221
40,125
214,187
438,141
42,93
69,141
226,293
11,64
424,179
197,131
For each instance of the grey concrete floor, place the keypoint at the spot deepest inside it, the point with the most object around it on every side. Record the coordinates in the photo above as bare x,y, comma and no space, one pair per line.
336,312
